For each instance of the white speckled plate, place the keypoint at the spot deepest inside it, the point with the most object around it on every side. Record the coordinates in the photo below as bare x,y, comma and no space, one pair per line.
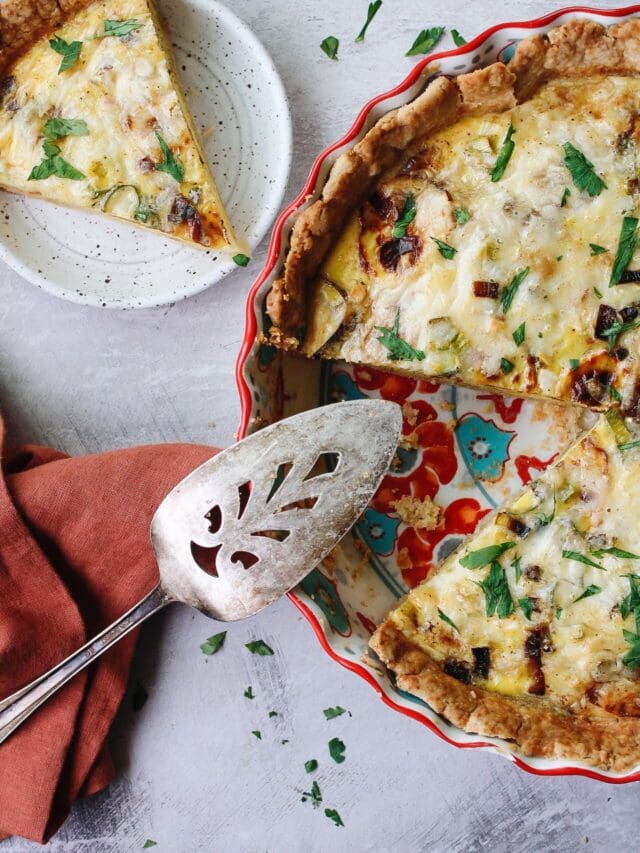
233,88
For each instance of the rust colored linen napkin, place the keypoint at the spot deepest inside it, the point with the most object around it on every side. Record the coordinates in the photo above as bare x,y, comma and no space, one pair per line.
74,556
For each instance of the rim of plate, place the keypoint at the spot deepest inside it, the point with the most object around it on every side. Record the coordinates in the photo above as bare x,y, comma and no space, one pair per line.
270,206
283,225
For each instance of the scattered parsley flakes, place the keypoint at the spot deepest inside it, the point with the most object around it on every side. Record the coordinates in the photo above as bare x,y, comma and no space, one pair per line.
631,603
462,215
311,765
139,697
597,293
458,40
120,28
213,644
55,128
425,41
445,249
446,619
496,590
257,734
483,556
510,291
615,552
70,52
330,46
332,713
629,444
518,335
314,795
249,694
171,165
149,843
615,394
574,363
241,260
371,13
333,815
517,568
526,605
504,155
259,647
582,558
398,349
565,197
53,163
597,250
592,589
626,248
407,215
336,750
582,171
506,366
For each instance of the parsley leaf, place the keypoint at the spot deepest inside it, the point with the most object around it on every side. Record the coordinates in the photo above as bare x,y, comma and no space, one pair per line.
504,155
581,558
592,589
615,552
629,444
70,52
55,165
336,750
257,733
333,815
311,765
510,291
597,293
517,568
446,619
213,644
613,332
574,363
314,795
597,250
615,394
526,605
332,713
565,197
249,694
631,603
398,349
506,366
54,128
241,260
462,215
445,249
330,46
171,165
406,217
582,171
425,41
458,40
483,556
496,591
371,13
626,248
120,28
518,335
632,658
259,647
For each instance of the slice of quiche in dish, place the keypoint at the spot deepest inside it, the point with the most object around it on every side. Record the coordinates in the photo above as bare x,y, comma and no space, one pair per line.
92,116
530,631
486,233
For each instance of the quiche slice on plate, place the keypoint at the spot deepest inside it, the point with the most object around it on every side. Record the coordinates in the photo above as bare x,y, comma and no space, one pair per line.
530,631
486,233
92,116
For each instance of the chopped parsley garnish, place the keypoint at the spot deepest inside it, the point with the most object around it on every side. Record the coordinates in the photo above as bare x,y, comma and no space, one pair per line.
565,197
53,163
458,40
582,558
582,171
626,248
462,215
120,28
518,335
504,155
496,590
259,647
311,765
446,619
70,52
506,366
526,605
592,589
632,658
249,694
332,713
333,815
597,293
445,249
574,363
613,332
425,41
257,734
517,568
597,250
615,394
407,215
330,46
213,644
241,260
510,291
314,795
631,603
398,349
483,556
171,165
336,750
629,444
371,13
615,552
55,128
149,843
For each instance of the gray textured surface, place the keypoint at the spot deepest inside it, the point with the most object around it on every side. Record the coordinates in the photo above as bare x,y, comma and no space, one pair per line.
191,774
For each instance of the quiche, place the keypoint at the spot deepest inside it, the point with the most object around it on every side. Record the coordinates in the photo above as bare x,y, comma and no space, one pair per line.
92,116
486,233
530,631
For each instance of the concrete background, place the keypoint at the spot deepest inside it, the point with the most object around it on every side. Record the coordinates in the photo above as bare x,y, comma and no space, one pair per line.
191,775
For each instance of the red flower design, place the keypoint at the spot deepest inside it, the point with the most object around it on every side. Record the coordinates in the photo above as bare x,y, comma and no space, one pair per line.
507,409
391,387
524,464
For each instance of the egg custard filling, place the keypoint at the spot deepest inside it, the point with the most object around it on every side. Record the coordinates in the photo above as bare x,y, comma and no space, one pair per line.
92,116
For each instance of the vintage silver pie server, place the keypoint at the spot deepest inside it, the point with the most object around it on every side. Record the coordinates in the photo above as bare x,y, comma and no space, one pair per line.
248,525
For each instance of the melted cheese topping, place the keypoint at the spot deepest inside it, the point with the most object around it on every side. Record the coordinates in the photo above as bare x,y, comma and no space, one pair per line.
125,90
594,489
514,223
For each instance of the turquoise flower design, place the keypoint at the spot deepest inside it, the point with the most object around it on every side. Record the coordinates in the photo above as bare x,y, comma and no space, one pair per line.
378,531
484,446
